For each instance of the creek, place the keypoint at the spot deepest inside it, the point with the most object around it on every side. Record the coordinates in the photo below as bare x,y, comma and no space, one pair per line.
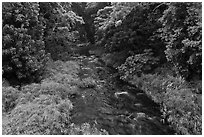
114,105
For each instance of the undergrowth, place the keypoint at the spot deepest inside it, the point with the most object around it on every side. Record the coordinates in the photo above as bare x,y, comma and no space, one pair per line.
9,98
180,104
45,108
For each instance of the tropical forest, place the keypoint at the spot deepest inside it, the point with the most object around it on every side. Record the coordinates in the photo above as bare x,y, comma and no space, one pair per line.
101,68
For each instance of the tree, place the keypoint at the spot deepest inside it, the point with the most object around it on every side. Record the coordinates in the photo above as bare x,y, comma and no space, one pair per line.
133,31
88,12
23,53
61,27
111,15
182,32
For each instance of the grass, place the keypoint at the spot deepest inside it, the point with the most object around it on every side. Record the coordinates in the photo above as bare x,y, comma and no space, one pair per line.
44,108
180,105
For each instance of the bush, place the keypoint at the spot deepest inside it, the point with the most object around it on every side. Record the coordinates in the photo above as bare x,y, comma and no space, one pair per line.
9,98
182,111
65,79
86,129
45,115
87,83
179,104
30,92
138,64
5,83
69,67
44,109
65,73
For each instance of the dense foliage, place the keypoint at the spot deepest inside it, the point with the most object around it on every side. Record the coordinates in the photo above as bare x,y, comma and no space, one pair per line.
182,31
23,46
154,46
44,115
154,35
61,28
88,12
111,15
30,30
138,64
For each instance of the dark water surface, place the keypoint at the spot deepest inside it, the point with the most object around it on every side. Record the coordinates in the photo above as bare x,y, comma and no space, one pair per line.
114,105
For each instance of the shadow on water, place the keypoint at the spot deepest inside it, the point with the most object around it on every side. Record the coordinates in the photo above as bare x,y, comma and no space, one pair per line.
115,105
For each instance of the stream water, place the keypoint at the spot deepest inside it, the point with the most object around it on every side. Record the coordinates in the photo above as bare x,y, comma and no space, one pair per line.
114,105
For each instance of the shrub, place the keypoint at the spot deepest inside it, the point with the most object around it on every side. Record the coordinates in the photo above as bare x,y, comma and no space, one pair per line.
65,73
179,104
46,115
69,68
5,83
30,92
182,111
65,79
87,83
86,129
9,98
138,64
53,88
